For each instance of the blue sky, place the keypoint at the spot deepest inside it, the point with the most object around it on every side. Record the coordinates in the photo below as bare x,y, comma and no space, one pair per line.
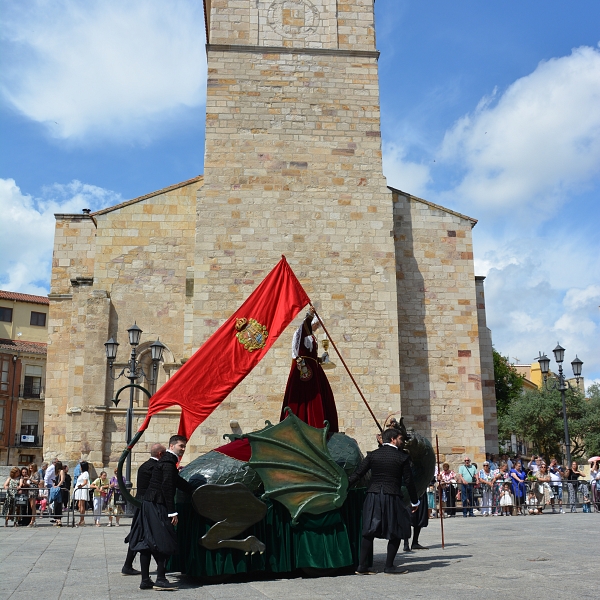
489,108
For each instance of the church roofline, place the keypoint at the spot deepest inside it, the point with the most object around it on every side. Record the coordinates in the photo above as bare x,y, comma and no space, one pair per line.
150,195
206,4
451,212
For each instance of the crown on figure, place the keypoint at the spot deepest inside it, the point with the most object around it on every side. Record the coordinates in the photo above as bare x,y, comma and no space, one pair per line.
241,323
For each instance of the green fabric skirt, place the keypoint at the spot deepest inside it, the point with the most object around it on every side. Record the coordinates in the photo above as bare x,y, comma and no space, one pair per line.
327,541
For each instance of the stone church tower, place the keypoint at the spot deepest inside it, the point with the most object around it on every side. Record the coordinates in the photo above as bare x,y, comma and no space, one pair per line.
292,166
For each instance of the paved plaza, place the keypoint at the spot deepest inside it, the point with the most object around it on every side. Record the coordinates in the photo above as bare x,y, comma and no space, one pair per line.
547,556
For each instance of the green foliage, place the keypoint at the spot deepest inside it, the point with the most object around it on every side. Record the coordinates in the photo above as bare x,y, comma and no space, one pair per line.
591,426
508,383
537,417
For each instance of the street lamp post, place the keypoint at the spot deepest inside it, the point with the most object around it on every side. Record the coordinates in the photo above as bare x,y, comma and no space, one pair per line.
561,384
134,372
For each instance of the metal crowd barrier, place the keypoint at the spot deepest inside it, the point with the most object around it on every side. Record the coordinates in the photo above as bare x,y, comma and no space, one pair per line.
47,512
571,496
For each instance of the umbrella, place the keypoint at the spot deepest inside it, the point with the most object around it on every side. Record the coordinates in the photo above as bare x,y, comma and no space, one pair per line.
594,459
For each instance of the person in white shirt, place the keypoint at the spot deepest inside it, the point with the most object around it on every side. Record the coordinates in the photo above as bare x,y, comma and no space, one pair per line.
595,484
556,475
81,493
533,465
50,474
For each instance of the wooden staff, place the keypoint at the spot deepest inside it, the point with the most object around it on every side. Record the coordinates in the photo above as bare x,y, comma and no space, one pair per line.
346,366
437,448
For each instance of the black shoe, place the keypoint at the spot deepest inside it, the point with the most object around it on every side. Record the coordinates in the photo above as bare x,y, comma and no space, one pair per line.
129,571
147,584
406,548
361,571
163,584
394,571
418,546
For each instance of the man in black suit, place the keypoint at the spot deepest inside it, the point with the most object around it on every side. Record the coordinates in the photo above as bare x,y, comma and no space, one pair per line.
384,514
144,475
153,533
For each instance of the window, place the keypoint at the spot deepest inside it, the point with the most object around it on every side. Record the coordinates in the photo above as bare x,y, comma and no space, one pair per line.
5,314
33,381
29,422
38,319
1,420
26,459
4,362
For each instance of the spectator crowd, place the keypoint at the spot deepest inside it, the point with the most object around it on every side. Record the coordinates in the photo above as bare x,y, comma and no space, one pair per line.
508,487
502,487
30,493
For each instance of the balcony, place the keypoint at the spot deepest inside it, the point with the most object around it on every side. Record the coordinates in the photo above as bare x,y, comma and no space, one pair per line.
31,441
31,390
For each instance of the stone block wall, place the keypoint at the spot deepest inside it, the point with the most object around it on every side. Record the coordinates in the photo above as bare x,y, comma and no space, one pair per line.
488,389
329,24
440,369
125,264
72,266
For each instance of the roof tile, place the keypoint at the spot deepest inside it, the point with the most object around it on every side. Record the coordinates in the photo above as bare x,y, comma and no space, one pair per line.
23,346
23,297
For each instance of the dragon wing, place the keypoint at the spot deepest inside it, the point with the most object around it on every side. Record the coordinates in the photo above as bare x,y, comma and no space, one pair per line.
296,468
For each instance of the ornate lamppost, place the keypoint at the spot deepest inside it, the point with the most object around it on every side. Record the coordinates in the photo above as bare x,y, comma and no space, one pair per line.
134,372
561,384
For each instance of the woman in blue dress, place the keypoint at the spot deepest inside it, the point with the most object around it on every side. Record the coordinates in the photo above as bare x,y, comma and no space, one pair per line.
518,487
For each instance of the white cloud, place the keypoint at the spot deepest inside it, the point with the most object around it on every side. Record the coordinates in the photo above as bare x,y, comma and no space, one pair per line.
103,68
529,147
588,297
402,174
590,382
529,312
27,230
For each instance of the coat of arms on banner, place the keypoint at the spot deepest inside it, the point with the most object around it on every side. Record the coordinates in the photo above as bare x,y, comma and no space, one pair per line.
251,334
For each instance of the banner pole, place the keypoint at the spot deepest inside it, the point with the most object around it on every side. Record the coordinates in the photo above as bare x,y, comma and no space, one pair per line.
346,367
437,449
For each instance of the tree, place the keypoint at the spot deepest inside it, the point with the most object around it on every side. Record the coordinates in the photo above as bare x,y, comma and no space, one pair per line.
508,383
590,424
537,416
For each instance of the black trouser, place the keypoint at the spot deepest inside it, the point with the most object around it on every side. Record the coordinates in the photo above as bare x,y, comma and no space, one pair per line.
129,558
161,564
415,538
366,550
130,553
449,497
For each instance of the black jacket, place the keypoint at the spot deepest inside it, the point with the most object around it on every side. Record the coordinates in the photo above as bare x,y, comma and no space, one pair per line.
144,475
390,468
164,481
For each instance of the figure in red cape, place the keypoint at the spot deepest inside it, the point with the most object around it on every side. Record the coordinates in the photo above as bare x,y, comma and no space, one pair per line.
308,392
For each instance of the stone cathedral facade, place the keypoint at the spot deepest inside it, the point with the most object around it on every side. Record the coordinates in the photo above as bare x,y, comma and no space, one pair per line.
292,166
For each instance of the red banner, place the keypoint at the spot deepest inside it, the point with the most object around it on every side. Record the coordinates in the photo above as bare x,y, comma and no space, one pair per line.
223,361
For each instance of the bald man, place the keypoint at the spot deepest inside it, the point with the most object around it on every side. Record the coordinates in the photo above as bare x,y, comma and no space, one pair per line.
144,475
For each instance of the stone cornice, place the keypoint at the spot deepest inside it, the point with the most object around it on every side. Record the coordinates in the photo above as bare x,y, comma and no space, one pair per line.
286,50
141,412
60,296
75,217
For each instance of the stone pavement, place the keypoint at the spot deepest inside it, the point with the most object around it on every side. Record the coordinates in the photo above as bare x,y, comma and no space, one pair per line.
549,556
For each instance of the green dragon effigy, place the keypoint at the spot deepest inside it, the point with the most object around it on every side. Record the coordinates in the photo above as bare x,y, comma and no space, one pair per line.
295,483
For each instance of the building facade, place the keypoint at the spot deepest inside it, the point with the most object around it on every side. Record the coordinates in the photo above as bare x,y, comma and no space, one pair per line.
293,167
23,335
